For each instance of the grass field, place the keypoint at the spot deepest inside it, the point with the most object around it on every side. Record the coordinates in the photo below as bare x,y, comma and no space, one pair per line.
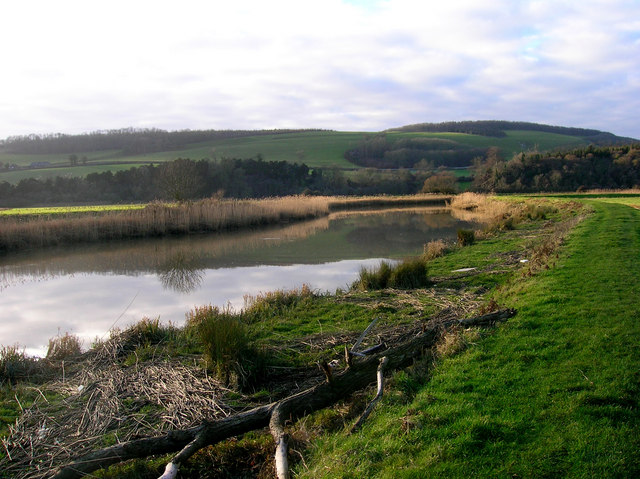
514,142
315,149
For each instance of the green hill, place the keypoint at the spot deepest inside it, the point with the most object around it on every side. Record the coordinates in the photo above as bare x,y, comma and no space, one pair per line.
448,144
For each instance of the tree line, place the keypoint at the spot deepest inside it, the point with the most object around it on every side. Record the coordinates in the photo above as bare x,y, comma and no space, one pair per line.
185,179
129,140
377,151
593,167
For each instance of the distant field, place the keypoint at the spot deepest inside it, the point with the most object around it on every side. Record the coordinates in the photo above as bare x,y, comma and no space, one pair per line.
54,210
316,149
515,141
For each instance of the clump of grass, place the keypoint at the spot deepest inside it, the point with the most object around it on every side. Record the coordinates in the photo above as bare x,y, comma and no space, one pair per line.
266,305
370,279
456,341
227,345
538,211
466,237
64,346
408,274
434,249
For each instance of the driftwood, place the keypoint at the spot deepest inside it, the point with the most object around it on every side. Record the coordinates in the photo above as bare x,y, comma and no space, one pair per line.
359,374
378,396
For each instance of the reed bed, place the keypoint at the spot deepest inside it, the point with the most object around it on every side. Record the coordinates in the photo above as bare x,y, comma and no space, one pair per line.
156,219
160,219
492,212
346,203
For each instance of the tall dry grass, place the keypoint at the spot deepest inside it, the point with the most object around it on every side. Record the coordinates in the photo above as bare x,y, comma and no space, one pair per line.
492,212
157,219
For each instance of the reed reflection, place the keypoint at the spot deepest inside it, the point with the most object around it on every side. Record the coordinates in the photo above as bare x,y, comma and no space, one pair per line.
183,272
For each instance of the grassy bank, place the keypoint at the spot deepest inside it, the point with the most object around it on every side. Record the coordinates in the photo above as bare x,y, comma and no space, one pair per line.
554,393
28,228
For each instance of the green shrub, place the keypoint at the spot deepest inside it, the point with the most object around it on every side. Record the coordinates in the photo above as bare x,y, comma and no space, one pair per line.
466,237
267,305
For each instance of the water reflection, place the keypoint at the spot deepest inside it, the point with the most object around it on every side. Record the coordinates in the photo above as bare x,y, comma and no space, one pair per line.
181,272
86,290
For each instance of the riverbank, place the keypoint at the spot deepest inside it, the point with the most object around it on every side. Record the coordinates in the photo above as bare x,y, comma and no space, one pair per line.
36,228
544,392
554,393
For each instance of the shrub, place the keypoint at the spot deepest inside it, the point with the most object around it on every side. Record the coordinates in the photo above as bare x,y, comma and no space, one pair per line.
62,347
16,366
266,305
466,237
227,345
444,182
539,212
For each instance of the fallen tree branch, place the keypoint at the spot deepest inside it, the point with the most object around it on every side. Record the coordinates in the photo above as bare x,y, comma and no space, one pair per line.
276,426
344,383
378,396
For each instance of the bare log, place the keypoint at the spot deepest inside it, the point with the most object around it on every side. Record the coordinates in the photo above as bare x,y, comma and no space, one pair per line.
378,396
358,376
276,426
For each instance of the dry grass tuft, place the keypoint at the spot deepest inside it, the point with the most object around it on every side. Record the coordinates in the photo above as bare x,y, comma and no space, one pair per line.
495,213
434,249
63,347
455,341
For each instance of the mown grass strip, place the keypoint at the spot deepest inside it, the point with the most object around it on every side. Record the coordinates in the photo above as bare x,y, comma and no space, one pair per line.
553,393
63,210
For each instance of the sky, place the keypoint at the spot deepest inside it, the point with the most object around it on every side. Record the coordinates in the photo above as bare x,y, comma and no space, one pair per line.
352,65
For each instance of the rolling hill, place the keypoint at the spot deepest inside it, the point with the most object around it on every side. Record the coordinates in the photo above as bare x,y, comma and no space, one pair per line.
447,144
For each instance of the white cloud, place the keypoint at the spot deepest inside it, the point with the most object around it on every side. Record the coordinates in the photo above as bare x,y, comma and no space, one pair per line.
75,66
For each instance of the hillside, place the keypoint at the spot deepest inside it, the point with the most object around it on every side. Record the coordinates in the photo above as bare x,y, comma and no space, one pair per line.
448,144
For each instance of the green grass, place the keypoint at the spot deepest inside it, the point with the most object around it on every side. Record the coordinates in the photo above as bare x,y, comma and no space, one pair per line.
57,210
553,393
315,149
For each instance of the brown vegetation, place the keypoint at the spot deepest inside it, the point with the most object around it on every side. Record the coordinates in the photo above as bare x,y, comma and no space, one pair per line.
159,219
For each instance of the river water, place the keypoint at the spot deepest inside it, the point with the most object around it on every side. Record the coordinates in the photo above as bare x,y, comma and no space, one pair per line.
88,290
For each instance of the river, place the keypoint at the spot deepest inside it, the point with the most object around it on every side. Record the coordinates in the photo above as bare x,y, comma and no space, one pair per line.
90,289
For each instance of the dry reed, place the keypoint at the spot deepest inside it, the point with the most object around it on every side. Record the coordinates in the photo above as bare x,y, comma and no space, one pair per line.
483,208
159,219
106,403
